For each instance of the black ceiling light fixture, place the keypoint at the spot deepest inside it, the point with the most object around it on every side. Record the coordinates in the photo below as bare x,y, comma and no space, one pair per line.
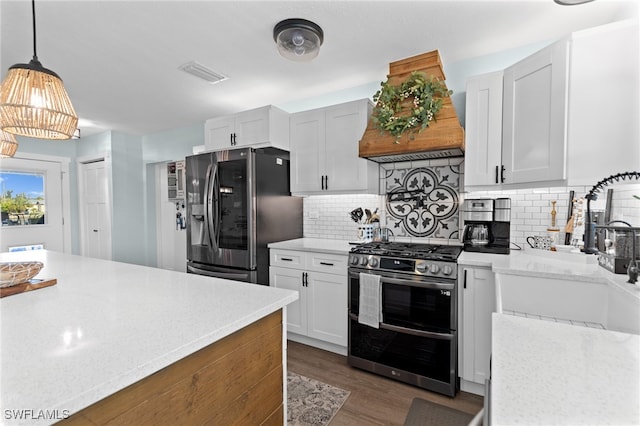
298,39
571,2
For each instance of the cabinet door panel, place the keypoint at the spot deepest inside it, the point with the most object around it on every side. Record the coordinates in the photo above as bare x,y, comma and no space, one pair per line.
483,130
218,133
345,126
534,116
478,303
327,307
307,151
252,127
291,279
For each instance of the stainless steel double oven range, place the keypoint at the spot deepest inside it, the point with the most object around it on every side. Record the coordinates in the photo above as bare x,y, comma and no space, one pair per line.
416,341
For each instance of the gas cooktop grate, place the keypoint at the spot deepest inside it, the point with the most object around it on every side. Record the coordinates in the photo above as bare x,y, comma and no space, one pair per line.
410,250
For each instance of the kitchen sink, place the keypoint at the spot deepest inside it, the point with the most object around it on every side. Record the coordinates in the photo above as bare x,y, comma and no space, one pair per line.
594,303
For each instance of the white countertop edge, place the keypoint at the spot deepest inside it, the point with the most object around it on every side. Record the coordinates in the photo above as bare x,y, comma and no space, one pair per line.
319,245
514,264
105,389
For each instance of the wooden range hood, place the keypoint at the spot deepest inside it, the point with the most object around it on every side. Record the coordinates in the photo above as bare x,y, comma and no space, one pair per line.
443,138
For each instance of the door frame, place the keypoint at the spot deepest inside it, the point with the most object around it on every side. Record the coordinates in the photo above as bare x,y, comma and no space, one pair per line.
65,188
106,157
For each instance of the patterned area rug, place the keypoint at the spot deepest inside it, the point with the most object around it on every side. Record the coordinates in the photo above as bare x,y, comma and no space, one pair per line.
310,402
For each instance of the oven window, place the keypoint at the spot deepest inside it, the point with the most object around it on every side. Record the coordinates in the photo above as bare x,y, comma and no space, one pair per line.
424,356
410,307
416,307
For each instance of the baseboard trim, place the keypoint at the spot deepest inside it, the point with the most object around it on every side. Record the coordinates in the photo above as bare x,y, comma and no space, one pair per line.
331,347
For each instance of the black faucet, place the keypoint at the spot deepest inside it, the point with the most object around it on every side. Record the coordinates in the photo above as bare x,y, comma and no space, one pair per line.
632,269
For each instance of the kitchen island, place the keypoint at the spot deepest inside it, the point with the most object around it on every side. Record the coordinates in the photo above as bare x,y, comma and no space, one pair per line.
547,373
132,344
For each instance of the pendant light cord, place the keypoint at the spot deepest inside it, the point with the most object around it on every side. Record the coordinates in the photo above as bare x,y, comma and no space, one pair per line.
33,15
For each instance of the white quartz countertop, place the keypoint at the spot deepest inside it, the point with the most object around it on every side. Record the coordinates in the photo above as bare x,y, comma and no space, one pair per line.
541,263
106,325
547,373
314,245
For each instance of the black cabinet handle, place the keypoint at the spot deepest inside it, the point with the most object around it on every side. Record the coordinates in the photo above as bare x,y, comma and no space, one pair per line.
286,259
305,279
326,182
497,173
465,279
235,142
502,174
231,139
326,263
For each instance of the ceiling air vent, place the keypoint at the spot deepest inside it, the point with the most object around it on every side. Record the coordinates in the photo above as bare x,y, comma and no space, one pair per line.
200,71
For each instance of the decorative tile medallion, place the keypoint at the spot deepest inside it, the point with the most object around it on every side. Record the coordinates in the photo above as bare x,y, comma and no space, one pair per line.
423,201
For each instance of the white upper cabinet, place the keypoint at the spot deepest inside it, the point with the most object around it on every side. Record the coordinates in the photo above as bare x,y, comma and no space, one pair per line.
604,103
534,116
260,127
569,113
483,132
324,150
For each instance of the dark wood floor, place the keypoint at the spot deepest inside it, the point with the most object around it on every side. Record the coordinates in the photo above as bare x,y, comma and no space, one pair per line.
374,400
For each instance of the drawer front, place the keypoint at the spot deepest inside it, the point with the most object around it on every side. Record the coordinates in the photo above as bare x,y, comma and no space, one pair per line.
287,258
327,263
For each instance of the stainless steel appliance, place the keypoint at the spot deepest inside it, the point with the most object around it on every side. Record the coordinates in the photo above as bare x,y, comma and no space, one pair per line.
416,340
238,201
487,225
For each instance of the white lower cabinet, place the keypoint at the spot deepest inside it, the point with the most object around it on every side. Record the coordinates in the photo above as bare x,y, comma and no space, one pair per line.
319,316
476,303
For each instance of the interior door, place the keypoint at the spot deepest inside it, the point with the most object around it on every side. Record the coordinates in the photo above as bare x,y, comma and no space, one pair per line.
18,229
96,210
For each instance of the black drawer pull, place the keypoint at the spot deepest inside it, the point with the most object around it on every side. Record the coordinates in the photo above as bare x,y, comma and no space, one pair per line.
286,259
326,263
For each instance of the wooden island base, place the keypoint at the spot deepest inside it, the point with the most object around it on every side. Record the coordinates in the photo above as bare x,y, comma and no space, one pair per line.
237,380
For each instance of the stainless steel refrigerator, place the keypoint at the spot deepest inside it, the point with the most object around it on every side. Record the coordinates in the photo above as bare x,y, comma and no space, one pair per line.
238,201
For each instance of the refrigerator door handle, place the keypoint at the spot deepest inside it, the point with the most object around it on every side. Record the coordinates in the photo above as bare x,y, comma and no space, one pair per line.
207,212
216,209
210,202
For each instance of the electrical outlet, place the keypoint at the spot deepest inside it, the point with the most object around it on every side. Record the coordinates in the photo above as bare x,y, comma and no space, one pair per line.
314,214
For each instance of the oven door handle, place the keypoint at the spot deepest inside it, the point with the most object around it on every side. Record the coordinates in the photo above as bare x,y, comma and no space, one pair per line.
440,336
404,330
408,282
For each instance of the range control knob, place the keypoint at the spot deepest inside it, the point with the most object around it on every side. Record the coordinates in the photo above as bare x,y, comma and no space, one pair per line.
373,262
447,270
354,260
435,268
363,261
422,267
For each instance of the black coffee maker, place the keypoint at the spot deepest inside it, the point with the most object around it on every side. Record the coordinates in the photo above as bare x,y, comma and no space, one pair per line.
487,225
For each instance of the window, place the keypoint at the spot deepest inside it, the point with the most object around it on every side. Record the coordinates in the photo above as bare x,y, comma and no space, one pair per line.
23,198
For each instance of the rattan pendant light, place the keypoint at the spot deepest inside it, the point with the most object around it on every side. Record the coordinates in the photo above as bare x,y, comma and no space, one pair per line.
33,101
8,145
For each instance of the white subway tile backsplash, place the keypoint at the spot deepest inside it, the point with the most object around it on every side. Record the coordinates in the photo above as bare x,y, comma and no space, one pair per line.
327,216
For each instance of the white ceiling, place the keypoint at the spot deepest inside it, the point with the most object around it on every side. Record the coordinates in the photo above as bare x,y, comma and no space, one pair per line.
119,59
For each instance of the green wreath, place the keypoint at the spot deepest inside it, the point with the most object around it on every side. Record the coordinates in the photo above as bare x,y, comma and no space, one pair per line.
390,115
